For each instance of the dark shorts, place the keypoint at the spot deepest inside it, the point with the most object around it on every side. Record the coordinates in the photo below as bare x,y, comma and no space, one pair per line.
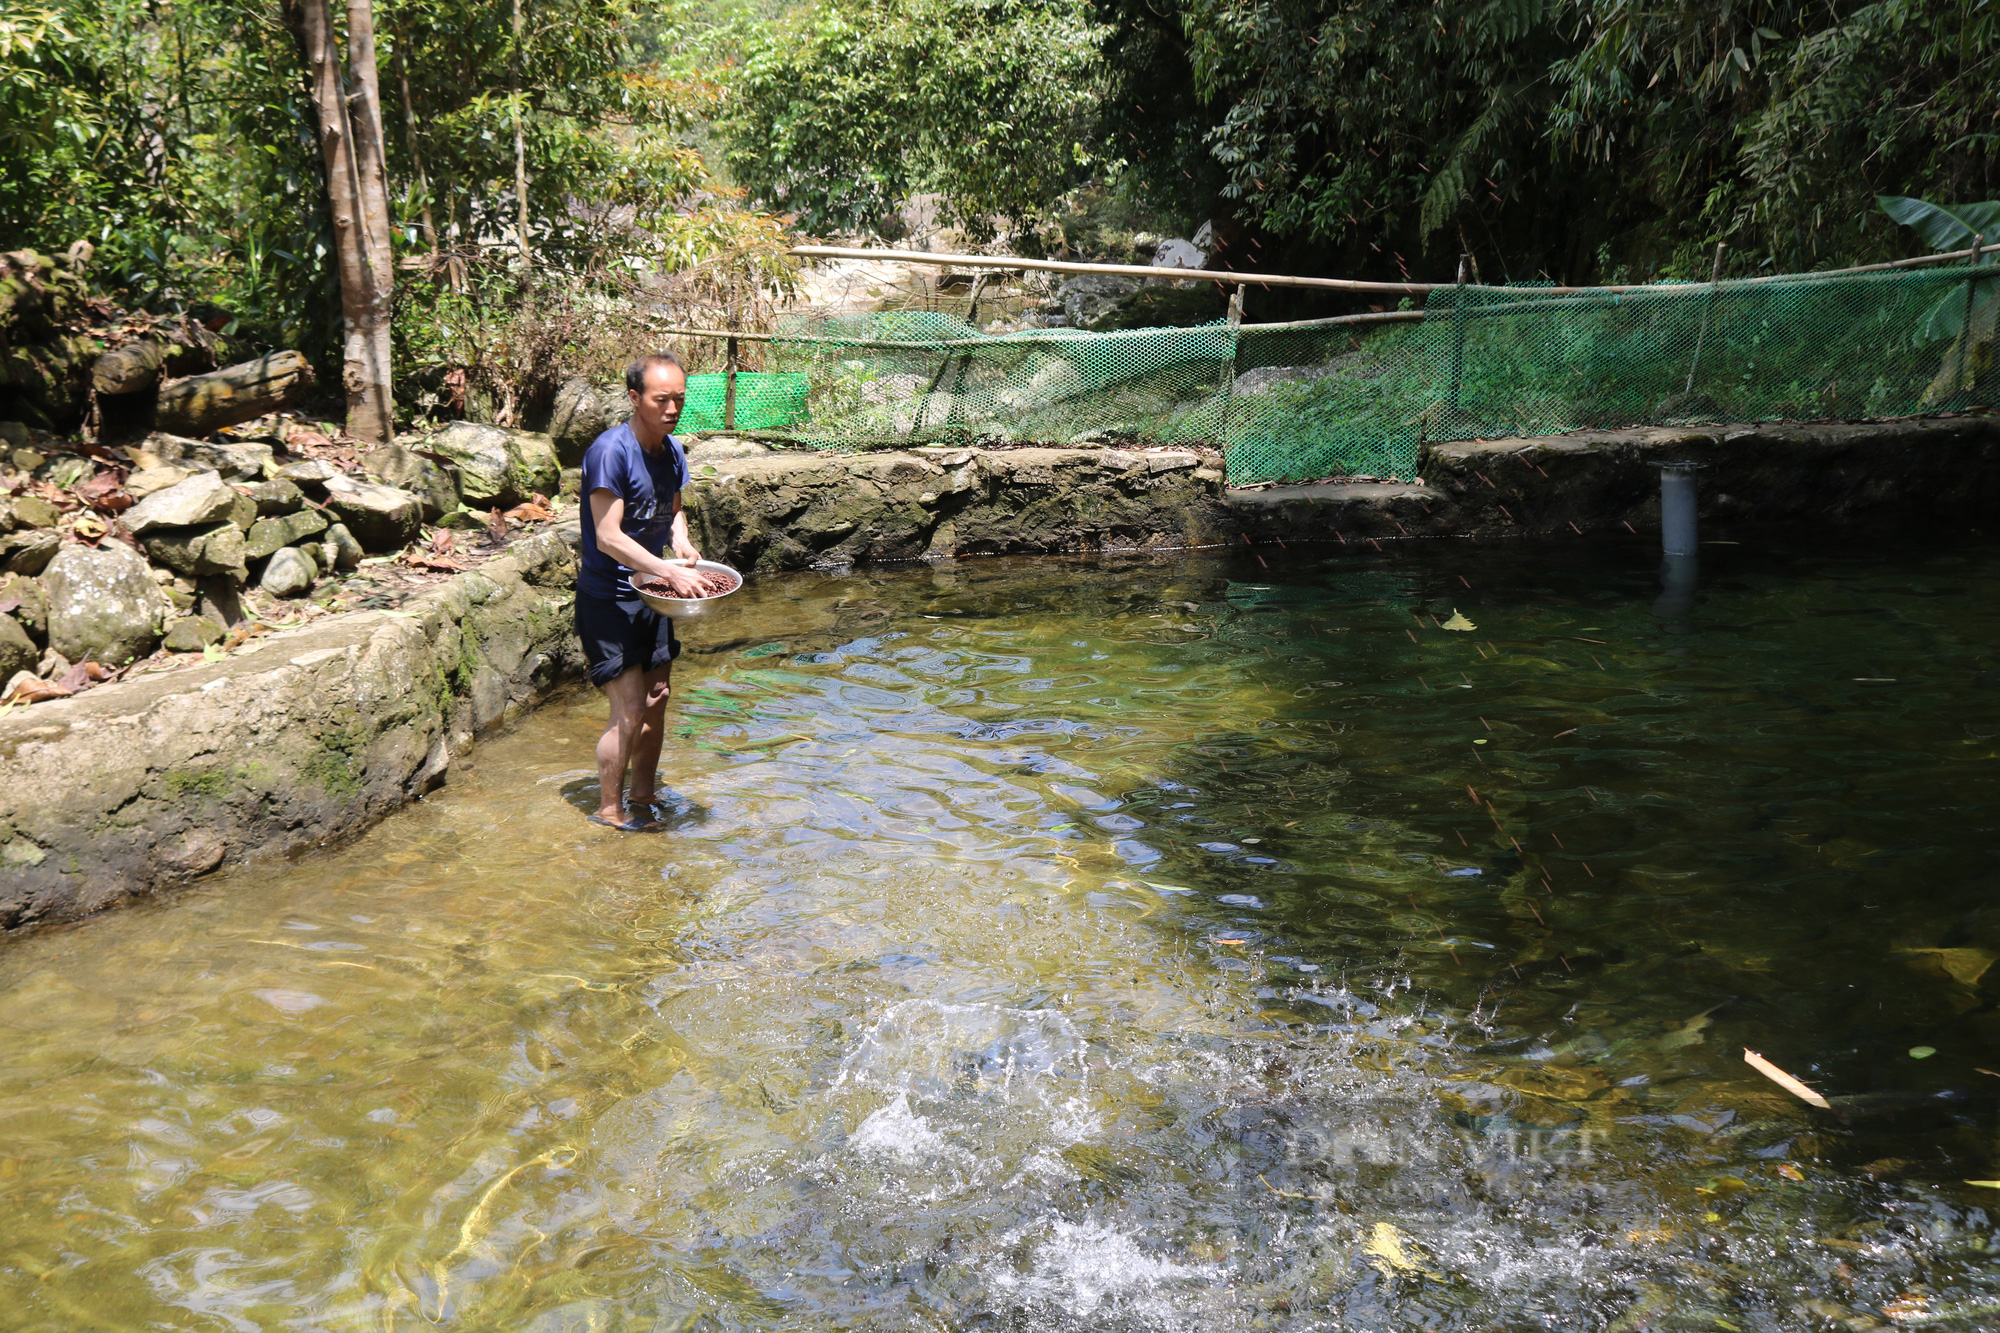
620,633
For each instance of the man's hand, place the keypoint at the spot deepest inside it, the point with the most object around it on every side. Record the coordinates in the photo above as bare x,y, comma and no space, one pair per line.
684,580
684,549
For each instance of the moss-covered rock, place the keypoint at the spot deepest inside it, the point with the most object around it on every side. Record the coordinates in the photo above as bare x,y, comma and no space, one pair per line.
271,534
193,552
103,604
497,466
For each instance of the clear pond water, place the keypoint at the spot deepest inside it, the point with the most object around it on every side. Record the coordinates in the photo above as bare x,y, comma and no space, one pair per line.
1089,944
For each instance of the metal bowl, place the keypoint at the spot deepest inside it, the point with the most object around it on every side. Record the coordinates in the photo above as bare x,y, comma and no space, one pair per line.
687,608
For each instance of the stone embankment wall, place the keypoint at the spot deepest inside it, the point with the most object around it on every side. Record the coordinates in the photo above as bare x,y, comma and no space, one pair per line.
299,737
791,511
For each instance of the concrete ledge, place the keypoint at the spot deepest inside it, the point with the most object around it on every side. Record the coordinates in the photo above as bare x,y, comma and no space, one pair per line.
1603,480
313,734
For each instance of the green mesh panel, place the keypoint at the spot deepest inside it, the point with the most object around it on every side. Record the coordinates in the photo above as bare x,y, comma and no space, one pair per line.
763,401
1498,361
1290,404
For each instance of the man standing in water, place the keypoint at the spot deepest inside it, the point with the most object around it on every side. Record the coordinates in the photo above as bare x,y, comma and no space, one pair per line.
632,479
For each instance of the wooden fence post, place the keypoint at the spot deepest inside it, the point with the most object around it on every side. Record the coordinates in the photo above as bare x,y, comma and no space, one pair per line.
729,388
1714,294
1458,331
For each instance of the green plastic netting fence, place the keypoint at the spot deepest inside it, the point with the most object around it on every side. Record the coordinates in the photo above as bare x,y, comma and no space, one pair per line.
763,401
1291,402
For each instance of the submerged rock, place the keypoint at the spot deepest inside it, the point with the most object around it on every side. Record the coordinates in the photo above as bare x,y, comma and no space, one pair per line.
382,518
202,499
290,573
103,604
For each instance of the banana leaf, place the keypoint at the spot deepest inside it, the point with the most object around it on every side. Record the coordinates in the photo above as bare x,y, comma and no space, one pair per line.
1949,227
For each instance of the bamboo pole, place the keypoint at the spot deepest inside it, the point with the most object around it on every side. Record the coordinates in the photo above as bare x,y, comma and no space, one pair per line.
1372,317
1050,337
1222,276
1458,333
1225,276
1701,335
729,388
1245,330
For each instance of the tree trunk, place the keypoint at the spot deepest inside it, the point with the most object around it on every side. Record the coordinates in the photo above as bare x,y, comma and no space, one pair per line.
520,142
200,404
364,112
365,361
421,185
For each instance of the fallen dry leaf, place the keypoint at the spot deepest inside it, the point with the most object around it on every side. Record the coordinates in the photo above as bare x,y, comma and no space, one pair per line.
530,513
82,676
35,691
244,632
1458,622
1965,966
106,493
1784,1080
90,527
441,563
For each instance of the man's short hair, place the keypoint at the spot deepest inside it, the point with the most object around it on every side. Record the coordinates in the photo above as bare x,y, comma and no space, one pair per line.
635,374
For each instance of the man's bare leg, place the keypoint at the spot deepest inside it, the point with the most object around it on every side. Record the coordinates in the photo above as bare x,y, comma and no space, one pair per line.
652,734
637,698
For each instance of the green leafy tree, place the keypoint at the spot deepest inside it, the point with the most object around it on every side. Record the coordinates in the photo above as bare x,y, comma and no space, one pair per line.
1574,138
177,136
854,105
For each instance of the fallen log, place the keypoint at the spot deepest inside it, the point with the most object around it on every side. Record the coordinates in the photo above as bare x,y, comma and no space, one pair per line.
128,369
200,404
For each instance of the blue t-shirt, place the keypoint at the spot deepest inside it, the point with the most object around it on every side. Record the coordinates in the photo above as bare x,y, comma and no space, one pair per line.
647,483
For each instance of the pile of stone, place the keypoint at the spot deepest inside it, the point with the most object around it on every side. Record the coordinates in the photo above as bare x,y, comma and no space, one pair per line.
111,555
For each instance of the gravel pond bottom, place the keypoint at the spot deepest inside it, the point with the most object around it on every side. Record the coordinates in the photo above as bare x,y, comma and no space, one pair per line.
1191,943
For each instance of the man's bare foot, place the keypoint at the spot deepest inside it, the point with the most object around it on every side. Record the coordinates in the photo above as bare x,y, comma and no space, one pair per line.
611,814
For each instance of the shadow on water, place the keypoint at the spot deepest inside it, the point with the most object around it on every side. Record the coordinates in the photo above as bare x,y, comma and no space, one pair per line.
1120,943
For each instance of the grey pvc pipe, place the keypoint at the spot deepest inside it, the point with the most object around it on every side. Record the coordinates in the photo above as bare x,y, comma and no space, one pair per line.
1679,532
1680,580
